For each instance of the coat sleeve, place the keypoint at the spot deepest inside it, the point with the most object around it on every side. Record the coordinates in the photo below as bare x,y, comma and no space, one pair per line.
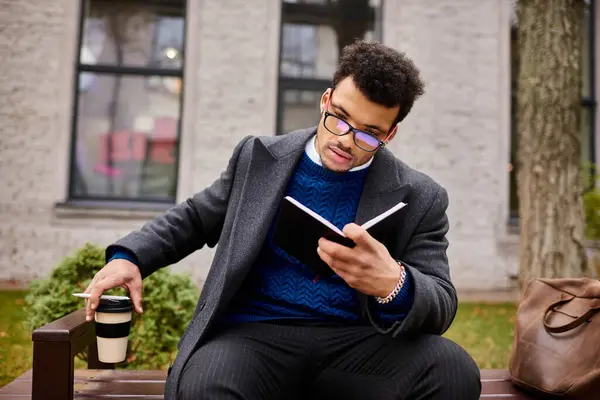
434,296
184,228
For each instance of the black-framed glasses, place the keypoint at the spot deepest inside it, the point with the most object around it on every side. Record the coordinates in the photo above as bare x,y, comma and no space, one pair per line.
362,139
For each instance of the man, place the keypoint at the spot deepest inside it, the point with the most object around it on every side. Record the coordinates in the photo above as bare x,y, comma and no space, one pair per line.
266,326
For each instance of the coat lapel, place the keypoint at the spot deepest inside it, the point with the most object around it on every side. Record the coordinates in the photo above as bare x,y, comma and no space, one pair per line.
383,189
269,172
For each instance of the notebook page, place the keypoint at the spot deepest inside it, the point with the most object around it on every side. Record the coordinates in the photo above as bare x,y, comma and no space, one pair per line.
315,215
381,217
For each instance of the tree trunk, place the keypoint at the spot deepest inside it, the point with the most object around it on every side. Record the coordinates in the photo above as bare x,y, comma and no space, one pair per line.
548,125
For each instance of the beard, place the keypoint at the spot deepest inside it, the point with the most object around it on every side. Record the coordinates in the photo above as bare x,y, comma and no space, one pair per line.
337,157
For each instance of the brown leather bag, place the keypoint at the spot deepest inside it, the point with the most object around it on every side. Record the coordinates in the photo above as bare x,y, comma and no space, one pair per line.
556,348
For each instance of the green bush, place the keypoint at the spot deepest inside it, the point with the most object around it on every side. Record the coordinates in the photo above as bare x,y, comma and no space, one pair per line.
169,301
591,201
591,204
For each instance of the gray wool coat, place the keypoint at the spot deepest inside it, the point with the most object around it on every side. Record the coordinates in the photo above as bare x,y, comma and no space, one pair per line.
238,208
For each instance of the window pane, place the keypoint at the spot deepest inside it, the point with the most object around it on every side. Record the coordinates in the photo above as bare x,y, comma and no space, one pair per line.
300,109
372,3
314,32
585,52
298,52
512,170
133,34
587,119
306,1
126,137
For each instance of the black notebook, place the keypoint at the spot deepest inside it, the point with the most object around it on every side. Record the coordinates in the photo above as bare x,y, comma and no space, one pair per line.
298,230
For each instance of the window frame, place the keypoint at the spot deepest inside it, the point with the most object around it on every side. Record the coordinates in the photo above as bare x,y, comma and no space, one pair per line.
308,84
124,71
590,102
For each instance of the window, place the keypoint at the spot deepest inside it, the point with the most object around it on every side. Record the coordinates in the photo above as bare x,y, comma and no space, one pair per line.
128,101
588,109
313,32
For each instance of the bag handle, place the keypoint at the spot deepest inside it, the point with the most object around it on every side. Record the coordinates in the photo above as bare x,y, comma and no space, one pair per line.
571,325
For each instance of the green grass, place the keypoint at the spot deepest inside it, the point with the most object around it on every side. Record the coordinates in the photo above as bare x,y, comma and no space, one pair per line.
15,340
484,330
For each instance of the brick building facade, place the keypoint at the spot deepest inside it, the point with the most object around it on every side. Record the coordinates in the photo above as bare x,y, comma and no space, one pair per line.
241,75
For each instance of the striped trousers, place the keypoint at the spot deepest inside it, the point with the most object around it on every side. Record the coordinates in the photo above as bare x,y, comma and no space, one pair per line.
268,360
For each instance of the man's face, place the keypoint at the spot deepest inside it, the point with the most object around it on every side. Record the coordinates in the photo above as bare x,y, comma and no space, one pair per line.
340,153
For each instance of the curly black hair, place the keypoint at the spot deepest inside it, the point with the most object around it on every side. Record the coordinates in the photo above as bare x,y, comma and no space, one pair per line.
382,74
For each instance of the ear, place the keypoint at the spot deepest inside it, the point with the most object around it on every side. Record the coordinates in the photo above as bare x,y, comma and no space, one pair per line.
324,99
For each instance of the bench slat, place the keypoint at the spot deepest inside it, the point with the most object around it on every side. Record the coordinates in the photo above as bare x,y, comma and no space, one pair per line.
121,375
138,385
487,374
19,387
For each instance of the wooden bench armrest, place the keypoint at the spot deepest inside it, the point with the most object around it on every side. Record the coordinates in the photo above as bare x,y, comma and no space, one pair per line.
54,347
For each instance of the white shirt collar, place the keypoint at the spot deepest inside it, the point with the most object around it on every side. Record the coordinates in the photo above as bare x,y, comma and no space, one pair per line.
311,151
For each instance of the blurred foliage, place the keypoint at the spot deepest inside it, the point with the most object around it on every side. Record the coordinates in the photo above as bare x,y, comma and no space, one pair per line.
169,302
15,342
591,201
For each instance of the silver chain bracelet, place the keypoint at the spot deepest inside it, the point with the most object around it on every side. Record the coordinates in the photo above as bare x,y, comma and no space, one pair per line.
397,288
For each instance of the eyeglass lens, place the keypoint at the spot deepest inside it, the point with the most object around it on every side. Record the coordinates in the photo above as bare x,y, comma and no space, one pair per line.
340,127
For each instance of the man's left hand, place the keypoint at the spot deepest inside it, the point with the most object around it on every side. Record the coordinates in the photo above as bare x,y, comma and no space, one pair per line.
368,267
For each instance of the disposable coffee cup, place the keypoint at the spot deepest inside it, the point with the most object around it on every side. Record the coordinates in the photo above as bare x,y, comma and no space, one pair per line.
113,322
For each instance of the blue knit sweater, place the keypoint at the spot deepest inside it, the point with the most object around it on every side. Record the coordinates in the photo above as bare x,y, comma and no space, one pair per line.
280,287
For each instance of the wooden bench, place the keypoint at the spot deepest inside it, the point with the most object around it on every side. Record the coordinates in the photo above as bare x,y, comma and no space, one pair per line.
53,375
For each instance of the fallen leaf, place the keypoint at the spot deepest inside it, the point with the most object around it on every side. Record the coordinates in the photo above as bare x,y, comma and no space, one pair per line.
3,334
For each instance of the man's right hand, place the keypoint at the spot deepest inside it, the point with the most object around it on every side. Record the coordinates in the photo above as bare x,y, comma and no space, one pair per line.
118,272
